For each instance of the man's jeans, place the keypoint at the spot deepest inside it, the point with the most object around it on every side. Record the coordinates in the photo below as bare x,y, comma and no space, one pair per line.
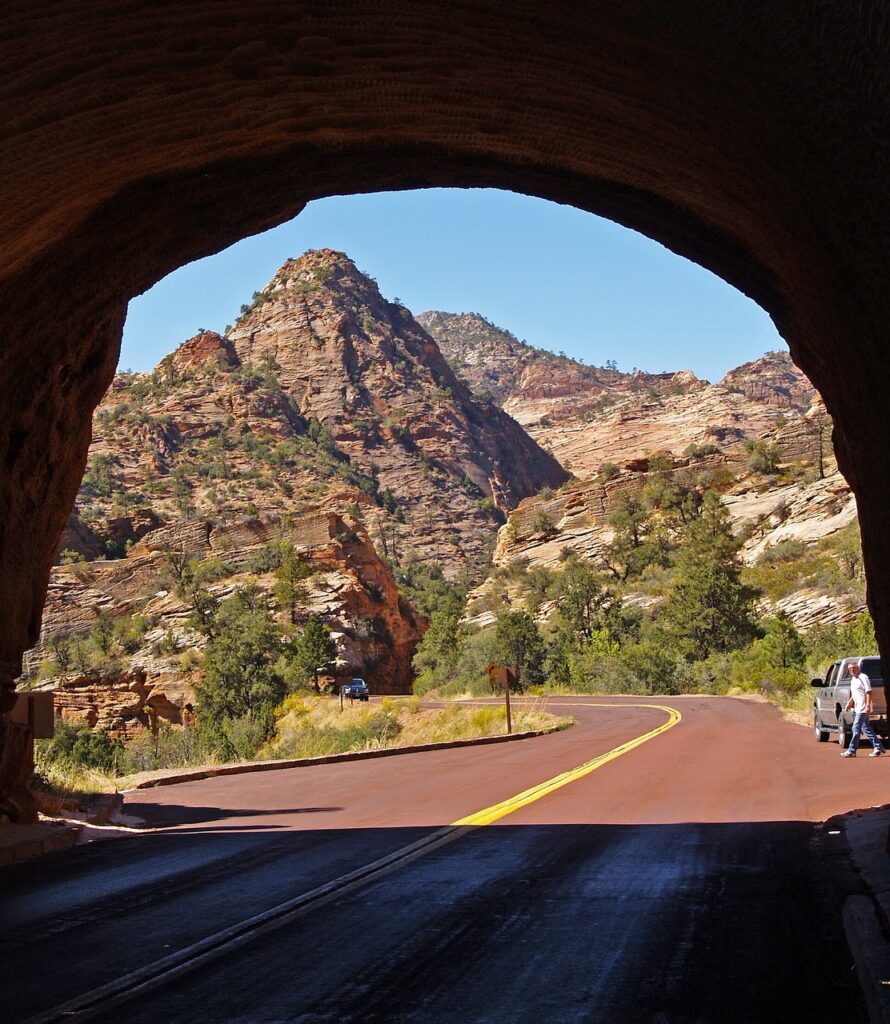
861,725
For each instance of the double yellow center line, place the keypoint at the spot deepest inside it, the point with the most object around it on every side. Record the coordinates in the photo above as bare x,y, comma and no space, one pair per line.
491,814
170,968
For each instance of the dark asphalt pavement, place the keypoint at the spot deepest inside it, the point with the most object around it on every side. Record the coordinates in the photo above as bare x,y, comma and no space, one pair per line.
680,882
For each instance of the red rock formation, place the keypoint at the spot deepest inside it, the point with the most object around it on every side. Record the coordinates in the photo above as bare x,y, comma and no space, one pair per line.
350,588
494,362
77,537
588,416
773,380
205,349
365,369
124,702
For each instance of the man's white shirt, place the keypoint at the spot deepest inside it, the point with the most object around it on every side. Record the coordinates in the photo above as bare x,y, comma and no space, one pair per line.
860,688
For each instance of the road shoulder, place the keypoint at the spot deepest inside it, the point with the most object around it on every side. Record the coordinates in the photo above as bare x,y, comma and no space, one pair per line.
171,777
858,853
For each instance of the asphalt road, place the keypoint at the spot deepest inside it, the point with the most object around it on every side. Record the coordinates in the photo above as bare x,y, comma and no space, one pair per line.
679,881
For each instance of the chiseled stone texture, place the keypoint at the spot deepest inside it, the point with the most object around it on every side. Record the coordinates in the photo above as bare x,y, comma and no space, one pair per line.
747,135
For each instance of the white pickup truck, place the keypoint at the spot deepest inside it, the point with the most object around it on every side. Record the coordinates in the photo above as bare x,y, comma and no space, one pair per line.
834,690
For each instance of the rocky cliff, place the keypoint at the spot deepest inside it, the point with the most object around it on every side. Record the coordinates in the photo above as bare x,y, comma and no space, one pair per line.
791,522
365,369
495,363
152,679
773,380
590,416
331,417
326,416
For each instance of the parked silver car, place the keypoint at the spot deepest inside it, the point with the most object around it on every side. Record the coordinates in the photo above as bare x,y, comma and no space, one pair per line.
834,690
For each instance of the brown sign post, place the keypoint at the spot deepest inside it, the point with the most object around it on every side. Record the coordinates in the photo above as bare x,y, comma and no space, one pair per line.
500,676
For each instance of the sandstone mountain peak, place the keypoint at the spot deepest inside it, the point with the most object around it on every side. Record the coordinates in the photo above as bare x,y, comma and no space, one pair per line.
772,379
323,395
326,419
686,377
329,418
325,273
497,365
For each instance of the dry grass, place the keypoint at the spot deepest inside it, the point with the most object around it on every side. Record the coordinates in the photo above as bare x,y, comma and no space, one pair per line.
317,727
799,708
796,708
73,782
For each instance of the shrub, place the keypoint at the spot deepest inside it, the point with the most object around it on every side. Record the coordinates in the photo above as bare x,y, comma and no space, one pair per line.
591,672
302,734
69,557
542,523
76,745
783,551
243,680
168,748
763,457
697,451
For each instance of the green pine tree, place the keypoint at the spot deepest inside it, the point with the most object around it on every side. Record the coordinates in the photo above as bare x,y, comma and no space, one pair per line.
289,577
240,677
709,609
782,645
519,644
581,599
315,649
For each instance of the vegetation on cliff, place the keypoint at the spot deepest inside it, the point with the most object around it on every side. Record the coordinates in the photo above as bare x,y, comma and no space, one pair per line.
668,606
321,395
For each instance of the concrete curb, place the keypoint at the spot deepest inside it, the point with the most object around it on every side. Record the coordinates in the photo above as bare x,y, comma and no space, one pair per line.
27,841
854,847
308,762
868,944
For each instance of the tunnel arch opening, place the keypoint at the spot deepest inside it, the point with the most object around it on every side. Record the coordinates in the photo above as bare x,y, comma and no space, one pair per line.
239,350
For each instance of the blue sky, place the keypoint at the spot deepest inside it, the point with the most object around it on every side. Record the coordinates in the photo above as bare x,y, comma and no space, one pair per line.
553,275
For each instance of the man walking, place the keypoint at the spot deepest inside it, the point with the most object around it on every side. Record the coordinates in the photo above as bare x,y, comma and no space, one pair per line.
860,700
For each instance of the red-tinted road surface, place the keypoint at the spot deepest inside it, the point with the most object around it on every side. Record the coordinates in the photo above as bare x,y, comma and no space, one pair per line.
679,882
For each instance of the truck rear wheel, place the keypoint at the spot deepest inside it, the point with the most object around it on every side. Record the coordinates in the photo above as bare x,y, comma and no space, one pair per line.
843,733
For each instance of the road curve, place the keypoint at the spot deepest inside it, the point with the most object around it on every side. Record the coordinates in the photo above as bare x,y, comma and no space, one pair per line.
675,882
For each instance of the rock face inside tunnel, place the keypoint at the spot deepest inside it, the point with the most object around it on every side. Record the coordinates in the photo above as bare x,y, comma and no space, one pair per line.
750,137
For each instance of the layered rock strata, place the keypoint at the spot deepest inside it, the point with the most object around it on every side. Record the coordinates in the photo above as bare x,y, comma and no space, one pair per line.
366,370
350,588
749,138
322,395
544,529
589,416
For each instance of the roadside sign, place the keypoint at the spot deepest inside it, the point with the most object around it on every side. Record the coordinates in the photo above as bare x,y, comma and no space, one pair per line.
502,677
35,710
